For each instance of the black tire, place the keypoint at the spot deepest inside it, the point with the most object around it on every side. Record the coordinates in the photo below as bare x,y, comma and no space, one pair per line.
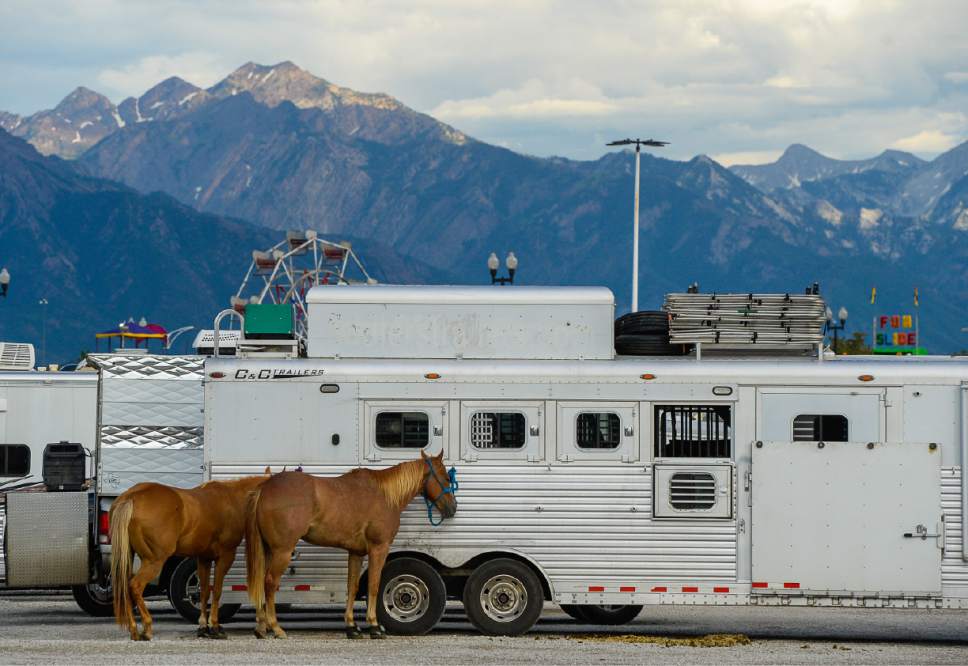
644,321
94,599
619,614
412,597
183,593
575,611
503,598
654,344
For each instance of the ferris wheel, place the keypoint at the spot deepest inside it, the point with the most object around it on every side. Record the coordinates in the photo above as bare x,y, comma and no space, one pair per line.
289,269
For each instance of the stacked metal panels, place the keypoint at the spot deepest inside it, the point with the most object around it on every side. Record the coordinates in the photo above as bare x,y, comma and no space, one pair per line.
738,320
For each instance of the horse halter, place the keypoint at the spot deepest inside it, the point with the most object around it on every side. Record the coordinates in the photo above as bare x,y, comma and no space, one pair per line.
445,489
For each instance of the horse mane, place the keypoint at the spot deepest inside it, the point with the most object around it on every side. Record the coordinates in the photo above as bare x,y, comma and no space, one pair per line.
401,482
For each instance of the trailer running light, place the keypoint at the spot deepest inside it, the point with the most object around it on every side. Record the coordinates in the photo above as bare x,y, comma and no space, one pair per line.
432,375
660,589
596,588
866,378
216,375
239,588
791,586
626,589
104,528
760,585
647,376
690,589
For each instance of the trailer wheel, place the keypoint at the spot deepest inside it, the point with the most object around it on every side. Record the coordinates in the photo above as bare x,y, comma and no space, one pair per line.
610,614
412,597
503,597
184,594
574,611
94,599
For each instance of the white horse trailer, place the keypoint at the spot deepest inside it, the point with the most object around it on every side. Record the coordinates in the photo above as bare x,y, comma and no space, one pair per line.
616,481
37,409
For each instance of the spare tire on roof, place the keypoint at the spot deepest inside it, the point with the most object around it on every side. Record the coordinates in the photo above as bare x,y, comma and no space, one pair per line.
654,344
644,321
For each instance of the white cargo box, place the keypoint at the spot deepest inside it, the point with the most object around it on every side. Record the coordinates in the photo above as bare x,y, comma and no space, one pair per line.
389,321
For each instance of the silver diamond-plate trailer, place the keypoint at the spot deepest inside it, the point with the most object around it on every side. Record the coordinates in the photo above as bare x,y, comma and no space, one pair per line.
149,421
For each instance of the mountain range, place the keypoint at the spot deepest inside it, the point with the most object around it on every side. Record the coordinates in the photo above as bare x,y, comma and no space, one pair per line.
281,148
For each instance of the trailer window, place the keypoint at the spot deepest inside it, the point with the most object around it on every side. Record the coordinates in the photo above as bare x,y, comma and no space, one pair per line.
598,430
498,430
820,428
402,430
14,460
692,431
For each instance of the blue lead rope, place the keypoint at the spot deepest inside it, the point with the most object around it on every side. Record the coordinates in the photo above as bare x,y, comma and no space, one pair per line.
446,490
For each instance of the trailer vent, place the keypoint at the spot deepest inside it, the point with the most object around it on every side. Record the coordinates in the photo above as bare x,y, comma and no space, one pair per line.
692,491
498,430
16,356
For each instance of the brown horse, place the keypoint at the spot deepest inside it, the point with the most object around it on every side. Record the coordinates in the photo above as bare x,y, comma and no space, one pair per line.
157,522
358,512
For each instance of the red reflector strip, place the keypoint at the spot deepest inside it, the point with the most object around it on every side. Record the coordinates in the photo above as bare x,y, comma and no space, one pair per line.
761,584
301,588
690,589
239,588
659,589
791,586
720,589
596,588
626,589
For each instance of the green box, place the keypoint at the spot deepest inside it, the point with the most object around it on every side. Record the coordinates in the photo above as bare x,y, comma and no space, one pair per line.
269,321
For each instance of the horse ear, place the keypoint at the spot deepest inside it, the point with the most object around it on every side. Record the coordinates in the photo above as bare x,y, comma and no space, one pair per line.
440,456
423,454
268,470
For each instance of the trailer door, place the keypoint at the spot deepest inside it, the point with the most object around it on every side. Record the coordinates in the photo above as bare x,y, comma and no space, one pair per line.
836,510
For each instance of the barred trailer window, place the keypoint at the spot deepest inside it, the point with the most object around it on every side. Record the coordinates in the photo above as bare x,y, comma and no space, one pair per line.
14,460
498,430
402,430
820,428
693,431
598,430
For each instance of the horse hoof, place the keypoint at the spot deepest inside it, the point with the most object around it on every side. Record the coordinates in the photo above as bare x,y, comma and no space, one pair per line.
218,633
202,632
377,631
280,635
144,637
354,632
259,634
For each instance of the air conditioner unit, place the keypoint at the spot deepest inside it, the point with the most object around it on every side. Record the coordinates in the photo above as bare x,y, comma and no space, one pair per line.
17,356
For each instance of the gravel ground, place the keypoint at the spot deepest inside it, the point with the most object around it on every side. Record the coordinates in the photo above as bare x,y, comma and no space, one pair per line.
49,629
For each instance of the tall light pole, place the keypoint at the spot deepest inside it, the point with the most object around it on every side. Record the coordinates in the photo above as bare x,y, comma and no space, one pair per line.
638,143
831,326
43,336
4,282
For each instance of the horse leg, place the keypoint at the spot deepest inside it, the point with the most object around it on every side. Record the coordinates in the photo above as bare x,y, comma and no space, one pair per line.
204,569
278,563
352,585
222,564
378,556
148,572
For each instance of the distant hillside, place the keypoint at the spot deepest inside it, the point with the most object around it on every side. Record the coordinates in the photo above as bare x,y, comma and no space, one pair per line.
101,252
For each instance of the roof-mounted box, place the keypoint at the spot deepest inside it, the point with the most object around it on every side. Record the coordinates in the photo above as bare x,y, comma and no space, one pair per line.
389,321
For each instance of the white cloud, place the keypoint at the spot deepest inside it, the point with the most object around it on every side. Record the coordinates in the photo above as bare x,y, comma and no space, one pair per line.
751,157
928,141
200,68
956,77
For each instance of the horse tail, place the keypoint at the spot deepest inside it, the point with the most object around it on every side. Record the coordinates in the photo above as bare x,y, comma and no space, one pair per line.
255,552
121,561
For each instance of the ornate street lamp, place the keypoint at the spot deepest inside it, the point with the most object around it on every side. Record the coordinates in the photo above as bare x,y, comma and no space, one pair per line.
4,282
831,326
493,263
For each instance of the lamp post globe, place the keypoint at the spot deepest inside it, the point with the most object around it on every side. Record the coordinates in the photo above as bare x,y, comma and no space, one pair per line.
4,281
842,314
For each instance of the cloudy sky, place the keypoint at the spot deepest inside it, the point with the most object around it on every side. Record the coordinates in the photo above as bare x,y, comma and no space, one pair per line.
735,79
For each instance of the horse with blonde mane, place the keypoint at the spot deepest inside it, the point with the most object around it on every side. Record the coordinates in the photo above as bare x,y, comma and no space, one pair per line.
358,512
156,522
